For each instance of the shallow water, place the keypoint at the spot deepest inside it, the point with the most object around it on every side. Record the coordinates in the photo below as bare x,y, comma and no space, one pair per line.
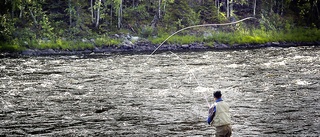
271,92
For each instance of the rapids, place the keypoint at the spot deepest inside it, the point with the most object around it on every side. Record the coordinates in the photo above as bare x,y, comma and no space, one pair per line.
271,92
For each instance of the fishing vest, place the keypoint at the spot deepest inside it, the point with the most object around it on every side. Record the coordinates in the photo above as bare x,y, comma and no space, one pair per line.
222,115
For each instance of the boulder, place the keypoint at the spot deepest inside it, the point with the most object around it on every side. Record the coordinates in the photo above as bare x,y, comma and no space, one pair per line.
29,52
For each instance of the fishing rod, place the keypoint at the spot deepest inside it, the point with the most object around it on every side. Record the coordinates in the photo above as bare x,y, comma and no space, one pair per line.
203,25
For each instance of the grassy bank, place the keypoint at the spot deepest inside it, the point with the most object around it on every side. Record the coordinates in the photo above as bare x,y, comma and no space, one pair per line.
61,44
242,36
255,36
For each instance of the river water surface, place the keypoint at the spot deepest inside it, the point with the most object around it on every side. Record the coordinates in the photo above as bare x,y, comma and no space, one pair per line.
271,92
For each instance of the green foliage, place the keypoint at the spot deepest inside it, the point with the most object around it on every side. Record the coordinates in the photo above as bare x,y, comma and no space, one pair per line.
46,28
184,39
6,27
209,13
74,45
180,15
147,31
138,19
106,41
160,38
259,36
12,46
241,37
140,15
301,35
176,39
74,32
58,30
83,45
117,4
45,45
63,45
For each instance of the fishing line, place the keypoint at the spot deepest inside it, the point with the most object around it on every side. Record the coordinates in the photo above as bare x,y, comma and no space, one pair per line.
203,25
194,76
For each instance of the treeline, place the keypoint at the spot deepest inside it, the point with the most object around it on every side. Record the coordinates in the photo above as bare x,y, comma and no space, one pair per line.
72,19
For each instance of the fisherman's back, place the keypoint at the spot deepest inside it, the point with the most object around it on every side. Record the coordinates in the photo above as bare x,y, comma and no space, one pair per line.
222,115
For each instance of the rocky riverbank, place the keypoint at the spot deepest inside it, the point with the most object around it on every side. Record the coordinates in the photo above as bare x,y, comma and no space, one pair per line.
148,48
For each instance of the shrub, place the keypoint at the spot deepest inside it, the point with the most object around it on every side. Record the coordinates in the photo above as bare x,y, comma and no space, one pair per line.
10,47
147,31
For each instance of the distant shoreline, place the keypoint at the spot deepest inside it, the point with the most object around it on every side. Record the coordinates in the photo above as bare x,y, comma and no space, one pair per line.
148,48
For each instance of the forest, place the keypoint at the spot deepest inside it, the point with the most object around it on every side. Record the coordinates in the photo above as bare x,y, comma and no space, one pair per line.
63,24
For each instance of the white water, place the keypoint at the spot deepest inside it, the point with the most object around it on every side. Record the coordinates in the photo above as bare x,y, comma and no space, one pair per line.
271,92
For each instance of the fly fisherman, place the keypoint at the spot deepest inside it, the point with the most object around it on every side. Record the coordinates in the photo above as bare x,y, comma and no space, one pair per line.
219,116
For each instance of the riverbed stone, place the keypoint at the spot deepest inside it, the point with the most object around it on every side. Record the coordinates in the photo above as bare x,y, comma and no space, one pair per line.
134,38
29,52
185,46
221,46
275,43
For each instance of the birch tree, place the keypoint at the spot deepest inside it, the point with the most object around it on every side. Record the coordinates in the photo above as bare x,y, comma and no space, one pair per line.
120,15
228,8
91,10
70,13
159,9
254,7
118,10
231,8
98,13
218,7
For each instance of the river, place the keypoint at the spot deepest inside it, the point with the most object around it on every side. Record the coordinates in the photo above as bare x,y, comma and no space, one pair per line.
271,92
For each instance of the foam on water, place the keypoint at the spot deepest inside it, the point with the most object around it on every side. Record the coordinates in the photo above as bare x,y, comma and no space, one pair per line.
273,63
236,65
301,82
201,89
